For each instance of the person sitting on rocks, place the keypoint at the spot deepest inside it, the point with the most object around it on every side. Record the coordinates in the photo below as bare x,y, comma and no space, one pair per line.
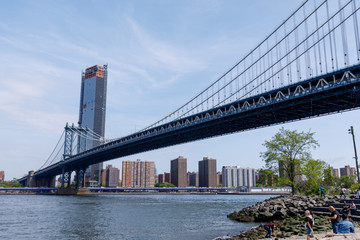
345,209
309,224
345,226
353,208
269,227
335,218
357,194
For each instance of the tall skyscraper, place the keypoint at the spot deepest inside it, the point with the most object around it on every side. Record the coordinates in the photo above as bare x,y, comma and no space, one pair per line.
92,113
178,169
138,174
207,172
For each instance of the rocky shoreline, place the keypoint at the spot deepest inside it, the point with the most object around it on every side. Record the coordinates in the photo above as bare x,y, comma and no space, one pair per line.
288,214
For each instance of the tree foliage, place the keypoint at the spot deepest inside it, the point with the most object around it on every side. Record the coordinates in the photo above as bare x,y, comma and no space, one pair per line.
347,181
267,178
162,185
329,179
313,172
287,153
10,184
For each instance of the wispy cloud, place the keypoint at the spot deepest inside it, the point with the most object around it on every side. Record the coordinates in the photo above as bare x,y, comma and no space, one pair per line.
164,54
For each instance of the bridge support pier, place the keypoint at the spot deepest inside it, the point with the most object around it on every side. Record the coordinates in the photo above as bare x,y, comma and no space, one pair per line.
30,182
69,179
78,178
45,182
83,177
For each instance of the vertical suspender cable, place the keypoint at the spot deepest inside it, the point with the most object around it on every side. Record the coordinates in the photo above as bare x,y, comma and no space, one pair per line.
356,30
318,37
287,50
344,37
307,53
335,46
330,36
268,62
298,69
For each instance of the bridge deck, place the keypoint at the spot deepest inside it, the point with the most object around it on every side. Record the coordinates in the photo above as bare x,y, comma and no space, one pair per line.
327,94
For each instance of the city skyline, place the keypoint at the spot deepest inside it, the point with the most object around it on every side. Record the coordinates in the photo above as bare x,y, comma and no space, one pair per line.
157,67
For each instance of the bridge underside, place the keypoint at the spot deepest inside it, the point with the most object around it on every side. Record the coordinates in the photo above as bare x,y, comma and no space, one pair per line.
323,95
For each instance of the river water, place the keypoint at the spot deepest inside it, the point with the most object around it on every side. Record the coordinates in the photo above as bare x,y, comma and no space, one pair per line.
121,216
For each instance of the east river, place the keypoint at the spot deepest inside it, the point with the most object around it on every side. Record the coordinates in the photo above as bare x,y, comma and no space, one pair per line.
121,216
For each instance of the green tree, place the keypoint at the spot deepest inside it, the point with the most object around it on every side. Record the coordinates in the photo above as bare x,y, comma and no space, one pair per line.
267,178
329,178
347,181
313,171
10,184
162,185
287,152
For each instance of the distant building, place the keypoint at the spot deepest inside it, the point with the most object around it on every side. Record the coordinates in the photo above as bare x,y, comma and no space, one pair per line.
218,178
193,179
335,172
92,114
167,177
178,169
161,178
207,172
353,171
112,175
345,171
164,177
238,177
2,176
138,174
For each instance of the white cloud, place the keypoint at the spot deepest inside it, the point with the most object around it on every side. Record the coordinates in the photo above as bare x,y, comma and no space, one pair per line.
163,54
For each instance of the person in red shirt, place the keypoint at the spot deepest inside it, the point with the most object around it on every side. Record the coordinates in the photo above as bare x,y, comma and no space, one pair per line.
269,227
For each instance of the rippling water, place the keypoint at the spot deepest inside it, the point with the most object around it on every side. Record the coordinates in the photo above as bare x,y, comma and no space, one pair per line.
121,216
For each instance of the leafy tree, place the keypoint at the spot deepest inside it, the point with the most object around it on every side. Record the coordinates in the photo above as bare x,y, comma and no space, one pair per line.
347,181
313,171
10,184
162,185
267,178
329,178
286,154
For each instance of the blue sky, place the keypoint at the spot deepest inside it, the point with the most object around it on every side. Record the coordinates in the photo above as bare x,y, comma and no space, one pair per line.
160,54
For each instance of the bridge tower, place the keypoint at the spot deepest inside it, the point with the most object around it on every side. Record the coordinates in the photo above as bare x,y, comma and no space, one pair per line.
70,134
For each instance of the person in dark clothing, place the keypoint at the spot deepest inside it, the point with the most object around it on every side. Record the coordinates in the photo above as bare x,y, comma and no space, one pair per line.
335,219
309,224
346,208
269,227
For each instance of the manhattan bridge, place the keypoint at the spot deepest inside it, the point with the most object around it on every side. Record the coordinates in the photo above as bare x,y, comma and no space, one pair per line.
307,67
